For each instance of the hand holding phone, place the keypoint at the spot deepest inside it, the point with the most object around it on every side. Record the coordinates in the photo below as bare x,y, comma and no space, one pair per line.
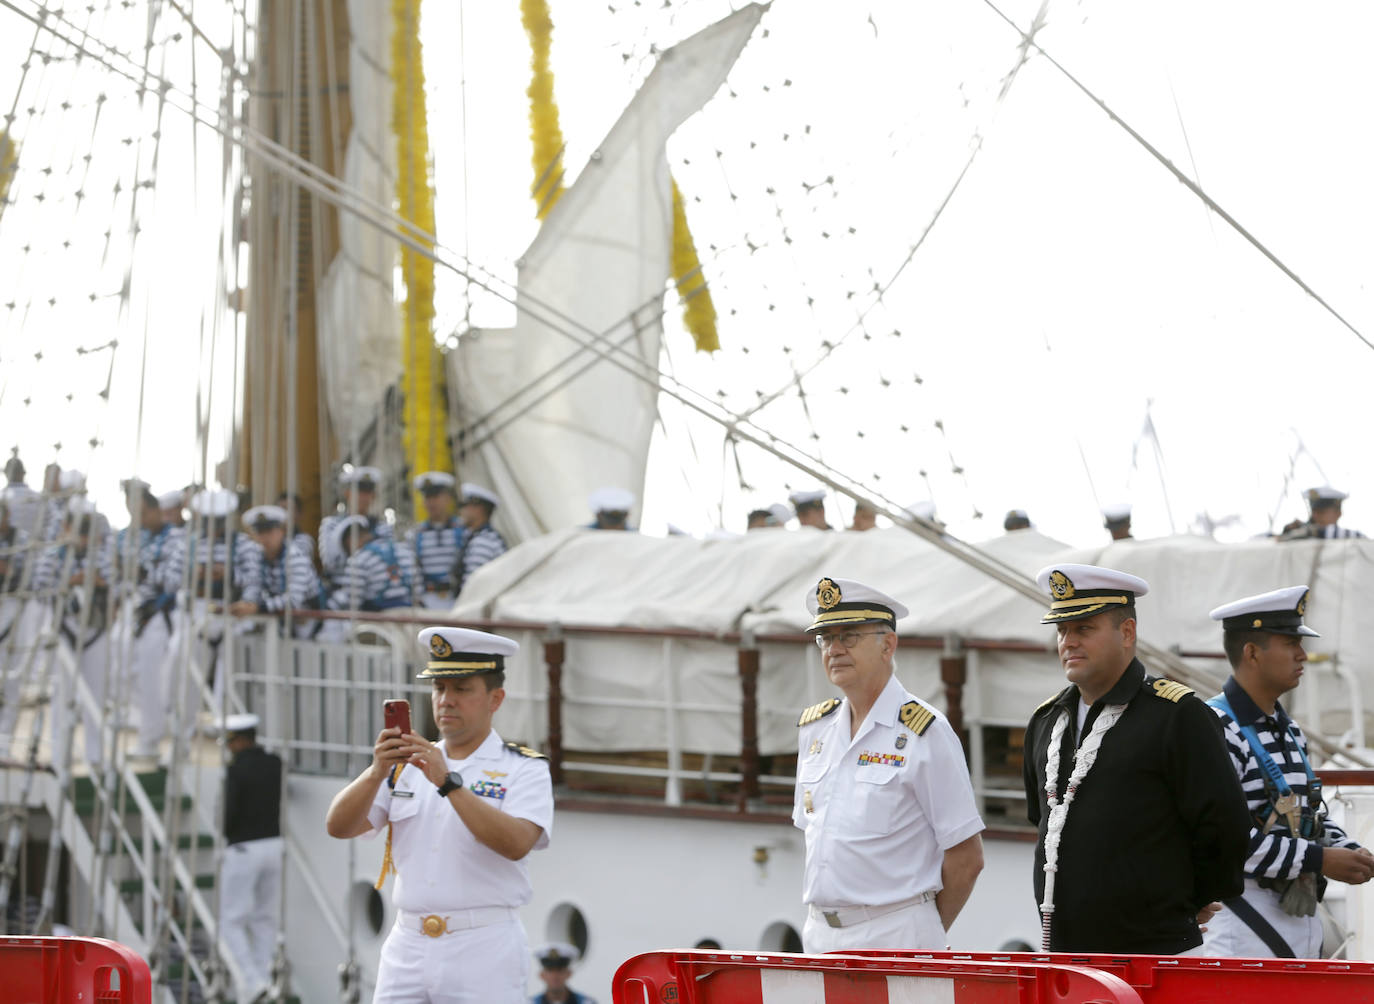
396,714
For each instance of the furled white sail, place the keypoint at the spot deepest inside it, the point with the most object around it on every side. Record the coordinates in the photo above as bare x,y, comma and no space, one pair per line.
359,343
597,269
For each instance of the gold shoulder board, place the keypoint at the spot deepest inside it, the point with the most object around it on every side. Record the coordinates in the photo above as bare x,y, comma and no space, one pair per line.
1044,704
916,716
1171,691
525,751
817,711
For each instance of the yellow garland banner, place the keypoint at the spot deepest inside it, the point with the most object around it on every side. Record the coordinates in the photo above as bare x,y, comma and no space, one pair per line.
9,163
698,309
422,380
545,132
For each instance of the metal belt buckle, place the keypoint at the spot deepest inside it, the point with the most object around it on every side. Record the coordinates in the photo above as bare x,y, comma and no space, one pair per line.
832,917
433,925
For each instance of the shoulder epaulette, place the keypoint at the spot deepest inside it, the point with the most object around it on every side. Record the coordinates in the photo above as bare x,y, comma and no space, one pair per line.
1170,691
817,711
525,751
916,716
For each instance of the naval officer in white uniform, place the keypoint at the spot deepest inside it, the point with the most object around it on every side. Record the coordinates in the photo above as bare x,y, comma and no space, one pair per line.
461,817
883,792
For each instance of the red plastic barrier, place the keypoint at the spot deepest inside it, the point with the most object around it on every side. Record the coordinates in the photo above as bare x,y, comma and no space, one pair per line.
736,978
63,970
1187,979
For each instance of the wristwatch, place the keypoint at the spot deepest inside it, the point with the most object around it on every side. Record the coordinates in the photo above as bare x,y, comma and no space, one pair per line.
453,782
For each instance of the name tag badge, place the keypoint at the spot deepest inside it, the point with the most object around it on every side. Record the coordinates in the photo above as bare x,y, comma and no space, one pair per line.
398,793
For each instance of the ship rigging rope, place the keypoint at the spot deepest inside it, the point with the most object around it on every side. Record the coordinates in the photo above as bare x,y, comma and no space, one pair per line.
1186,181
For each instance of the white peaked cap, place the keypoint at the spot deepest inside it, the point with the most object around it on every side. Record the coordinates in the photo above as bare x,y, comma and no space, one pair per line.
1078,591
215,502
476,491
611,500
240,723
1279,611
845,601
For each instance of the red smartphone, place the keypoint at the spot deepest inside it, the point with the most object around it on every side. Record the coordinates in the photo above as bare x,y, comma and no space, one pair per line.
396,714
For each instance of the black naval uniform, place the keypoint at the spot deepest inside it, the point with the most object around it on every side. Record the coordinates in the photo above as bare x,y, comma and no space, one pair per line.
1157,830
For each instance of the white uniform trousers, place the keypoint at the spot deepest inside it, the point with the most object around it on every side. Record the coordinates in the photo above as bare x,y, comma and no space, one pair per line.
1228,935
21,661
249,901
910,928
481,965
93,666
436,601
147,657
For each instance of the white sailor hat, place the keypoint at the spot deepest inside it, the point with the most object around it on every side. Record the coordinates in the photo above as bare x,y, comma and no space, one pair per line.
360,476
476,493
71,481
1078,591
1325,494
1115,513
1278,611
171,500
611,500
925,509
431,482
464,652
556,955
240,723
779,513
844,601
264,517
215,502
803,498
343,526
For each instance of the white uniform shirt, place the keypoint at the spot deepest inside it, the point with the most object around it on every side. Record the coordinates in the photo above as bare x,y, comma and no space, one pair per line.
879,811
440,865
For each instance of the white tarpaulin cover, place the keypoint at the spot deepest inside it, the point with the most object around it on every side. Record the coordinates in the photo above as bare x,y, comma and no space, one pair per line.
597,268
759,582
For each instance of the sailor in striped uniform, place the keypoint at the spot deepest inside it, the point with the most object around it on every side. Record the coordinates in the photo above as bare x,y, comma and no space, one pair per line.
883,795
483,542
14,583
145,625
378,574
1294,846
288,575
437,541
1141,821
291,505
1324,513
360,488
76,571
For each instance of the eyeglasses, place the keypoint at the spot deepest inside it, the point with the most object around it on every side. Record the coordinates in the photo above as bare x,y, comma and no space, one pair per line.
846,638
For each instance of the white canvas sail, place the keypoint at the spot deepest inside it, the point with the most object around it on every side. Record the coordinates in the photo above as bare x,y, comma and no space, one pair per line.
597,267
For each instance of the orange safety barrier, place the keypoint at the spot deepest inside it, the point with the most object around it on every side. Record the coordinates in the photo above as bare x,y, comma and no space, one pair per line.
62,970
1189,979
696,977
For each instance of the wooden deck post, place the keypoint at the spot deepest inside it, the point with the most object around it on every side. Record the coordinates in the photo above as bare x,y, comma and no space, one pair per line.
954,674
553,660
749,720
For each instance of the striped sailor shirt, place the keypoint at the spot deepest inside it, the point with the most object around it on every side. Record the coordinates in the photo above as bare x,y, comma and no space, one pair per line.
289,581
149,568
239,567
481,546
332,557
436,547
378,576
79,624
1276,854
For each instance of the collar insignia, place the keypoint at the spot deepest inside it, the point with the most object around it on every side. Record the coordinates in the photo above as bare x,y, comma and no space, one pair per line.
1060,586
827,594
438,647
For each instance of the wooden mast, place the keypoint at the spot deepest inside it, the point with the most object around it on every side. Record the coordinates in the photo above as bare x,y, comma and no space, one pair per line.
300,99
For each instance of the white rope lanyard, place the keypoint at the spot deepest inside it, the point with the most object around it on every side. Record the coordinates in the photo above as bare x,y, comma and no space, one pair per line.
1083,759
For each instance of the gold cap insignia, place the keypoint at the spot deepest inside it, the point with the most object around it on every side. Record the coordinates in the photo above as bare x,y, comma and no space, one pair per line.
438,647
827,594
1060,586
1302,605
